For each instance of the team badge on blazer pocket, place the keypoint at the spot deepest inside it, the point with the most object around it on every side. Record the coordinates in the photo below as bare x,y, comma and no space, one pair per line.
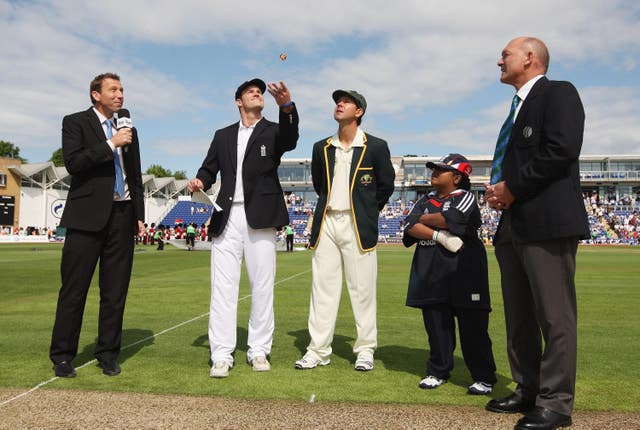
366,179
527,132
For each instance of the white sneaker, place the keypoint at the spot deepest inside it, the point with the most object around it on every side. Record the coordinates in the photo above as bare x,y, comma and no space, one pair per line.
220,369
260,364
480,388
431,382
309,361
364,362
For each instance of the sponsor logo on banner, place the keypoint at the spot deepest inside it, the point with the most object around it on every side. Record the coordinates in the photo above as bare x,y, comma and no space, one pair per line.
57,207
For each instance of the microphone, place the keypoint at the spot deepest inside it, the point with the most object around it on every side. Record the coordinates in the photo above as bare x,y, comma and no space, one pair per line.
124,121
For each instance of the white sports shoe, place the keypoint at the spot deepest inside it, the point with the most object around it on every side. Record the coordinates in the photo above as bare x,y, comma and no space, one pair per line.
310,361
260,364
431,382
480,388
364,362
220,369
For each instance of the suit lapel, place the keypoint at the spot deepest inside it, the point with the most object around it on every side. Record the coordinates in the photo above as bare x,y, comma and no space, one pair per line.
232,146
259,128
95,125
127,157
519,124
329,160
356,160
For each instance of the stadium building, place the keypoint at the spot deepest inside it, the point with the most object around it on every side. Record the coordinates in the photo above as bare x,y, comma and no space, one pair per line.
33,195
610,177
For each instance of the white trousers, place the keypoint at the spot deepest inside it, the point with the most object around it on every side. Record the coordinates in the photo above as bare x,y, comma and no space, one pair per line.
227,250
338,249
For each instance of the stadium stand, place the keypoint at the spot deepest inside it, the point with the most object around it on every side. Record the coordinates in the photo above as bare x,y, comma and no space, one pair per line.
185,212
612,223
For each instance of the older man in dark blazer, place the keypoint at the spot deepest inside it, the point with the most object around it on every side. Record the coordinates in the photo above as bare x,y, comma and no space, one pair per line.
246,155
535,181
354,178
103,212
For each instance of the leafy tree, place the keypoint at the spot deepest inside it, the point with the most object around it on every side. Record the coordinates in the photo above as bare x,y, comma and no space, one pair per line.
57,158
180,174
160,172
9,150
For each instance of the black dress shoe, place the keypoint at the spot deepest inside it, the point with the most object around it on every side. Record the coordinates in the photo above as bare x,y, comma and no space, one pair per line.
64,369
110,367
510,405
543,419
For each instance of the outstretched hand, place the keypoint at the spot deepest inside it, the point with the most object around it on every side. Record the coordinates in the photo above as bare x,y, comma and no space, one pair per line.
280,92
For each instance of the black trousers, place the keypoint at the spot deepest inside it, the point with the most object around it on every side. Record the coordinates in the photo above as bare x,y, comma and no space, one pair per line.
289,242
191,239
439,321
113,247
539,294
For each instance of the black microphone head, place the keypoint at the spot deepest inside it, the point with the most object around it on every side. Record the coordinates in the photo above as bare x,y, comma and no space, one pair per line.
124,119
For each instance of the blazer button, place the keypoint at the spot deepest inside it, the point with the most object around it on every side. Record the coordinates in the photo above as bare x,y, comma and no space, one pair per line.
230,198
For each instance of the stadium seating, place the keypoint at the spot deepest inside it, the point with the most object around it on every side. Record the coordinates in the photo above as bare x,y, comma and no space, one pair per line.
182,213
602,222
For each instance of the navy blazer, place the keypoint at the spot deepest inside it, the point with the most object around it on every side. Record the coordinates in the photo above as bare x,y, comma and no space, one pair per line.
541,167
89,160
371,183
264,203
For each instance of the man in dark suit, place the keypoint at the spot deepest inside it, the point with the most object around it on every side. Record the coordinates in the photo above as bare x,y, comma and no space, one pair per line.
246,154
353,176
104,211
537,186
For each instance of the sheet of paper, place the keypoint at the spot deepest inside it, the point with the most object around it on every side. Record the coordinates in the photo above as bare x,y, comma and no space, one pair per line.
202,197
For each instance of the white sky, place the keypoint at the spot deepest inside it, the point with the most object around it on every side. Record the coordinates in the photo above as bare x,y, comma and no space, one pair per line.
427,68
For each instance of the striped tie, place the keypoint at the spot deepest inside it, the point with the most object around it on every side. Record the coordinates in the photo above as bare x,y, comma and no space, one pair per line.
119,185
501,144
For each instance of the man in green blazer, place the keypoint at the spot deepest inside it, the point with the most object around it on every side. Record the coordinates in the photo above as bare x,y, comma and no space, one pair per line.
353,177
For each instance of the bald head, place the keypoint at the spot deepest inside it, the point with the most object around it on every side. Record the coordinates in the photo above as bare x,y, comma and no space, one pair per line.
539,50
522,59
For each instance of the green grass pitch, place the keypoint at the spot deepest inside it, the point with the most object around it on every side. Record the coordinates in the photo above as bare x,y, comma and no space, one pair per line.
170,290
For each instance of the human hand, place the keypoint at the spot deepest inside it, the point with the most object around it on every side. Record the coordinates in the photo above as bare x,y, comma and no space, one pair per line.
280,92
141,228
195,184
499,196
122,137
449,241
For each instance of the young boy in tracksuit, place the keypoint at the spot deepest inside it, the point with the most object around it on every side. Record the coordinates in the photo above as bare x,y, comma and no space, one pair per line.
449,277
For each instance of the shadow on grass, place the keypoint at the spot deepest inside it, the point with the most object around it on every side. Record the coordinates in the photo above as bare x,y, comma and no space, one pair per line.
131,336
403,359
342,346
414,361
242,334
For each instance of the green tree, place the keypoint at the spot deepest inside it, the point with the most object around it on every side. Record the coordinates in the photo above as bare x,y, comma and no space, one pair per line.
160,172
9,150
57,158
180,174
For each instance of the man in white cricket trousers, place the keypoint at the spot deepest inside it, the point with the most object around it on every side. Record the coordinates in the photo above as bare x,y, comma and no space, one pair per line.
353,176
246,154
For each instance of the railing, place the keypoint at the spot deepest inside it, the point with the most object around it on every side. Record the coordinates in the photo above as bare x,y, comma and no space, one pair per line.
614,175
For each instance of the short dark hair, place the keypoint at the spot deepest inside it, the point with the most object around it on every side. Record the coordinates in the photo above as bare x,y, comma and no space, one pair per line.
96,84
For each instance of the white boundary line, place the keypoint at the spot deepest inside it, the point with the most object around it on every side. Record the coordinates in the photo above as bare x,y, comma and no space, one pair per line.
90,362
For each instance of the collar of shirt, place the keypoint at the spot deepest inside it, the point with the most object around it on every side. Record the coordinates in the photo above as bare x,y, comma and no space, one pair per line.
102,118
524,90
358,140
251,127
434,194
